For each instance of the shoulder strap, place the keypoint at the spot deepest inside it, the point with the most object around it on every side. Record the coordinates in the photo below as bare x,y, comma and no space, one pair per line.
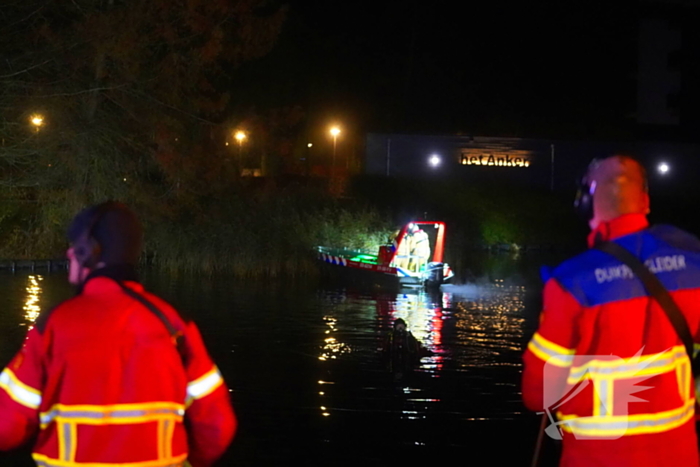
176,336
656,290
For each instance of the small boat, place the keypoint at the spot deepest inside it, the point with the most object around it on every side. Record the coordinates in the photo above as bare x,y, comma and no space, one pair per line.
414,258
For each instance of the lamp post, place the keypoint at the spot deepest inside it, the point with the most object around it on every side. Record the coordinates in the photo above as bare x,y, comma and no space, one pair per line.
37,120
240,136
335,131
308,158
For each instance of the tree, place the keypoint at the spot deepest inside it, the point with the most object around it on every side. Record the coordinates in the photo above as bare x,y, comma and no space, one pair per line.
131,93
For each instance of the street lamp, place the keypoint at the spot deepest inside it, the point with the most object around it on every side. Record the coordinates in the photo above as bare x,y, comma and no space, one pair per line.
335,131
37,120
663,168
240,136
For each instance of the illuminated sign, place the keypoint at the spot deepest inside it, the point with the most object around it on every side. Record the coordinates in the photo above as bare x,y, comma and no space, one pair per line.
495,160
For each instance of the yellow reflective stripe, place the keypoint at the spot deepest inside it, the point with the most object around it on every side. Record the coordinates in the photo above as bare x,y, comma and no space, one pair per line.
683,379
619,368
18,391
169,433
115,414
61,434
205,384
114,407
605,372
161,439
166,428
602,397
550,352
45,461
67,441
620,425
74,441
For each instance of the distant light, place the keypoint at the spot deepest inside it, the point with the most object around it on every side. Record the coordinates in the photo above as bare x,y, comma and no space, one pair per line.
335,131
309,145
240,136
664,168
37,120
434,160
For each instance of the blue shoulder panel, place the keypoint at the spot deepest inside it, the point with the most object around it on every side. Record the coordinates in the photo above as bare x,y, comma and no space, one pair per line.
595,278
546,273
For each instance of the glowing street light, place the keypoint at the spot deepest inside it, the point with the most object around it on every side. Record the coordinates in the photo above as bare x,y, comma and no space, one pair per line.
240,137
434,160
37,120
335,131
663,168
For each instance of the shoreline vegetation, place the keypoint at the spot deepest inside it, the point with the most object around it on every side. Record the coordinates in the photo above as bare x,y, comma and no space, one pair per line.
269,227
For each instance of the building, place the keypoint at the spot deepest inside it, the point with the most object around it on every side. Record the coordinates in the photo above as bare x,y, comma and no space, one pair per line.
553,165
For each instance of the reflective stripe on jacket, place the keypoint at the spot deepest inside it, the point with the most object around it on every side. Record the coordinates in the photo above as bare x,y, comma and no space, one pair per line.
607,360
102,383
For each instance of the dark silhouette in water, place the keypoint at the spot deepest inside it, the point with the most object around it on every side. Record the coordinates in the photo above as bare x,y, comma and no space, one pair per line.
401,351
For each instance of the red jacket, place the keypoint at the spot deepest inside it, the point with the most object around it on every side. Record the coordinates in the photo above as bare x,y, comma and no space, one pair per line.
606,358
102,383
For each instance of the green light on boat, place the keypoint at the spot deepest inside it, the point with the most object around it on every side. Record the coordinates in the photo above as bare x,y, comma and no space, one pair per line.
365,259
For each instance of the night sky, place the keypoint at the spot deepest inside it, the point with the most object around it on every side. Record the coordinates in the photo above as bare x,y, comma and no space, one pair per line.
528,69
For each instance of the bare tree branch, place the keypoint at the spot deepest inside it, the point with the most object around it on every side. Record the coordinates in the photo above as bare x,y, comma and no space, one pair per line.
25,70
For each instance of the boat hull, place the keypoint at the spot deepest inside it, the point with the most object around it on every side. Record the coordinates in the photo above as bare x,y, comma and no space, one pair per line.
382,274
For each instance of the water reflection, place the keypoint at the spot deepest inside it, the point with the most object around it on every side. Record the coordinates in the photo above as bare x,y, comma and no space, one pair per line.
324,410
424,315
31,304
489,323
292,392
471,333
331,347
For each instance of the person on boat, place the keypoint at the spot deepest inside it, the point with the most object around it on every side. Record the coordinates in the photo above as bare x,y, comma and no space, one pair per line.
114,376
419,248
401,349
402,246
606,357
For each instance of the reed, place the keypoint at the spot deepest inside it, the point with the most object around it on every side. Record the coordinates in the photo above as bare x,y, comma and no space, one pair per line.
272,231
271,237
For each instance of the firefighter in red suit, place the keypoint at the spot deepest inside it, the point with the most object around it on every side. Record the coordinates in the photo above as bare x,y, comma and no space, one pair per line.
114,376
605,364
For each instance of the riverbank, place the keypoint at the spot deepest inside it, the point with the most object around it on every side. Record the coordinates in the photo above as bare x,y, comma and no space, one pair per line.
270,228
48,265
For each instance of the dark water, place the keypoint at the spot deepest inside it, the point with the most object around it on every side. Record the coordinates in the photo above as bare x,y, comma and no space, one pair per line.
308,382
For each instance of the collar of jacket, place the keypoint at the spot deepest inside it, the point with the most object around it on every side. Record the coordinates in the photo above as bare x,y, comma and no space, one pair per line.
618,227
116,272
